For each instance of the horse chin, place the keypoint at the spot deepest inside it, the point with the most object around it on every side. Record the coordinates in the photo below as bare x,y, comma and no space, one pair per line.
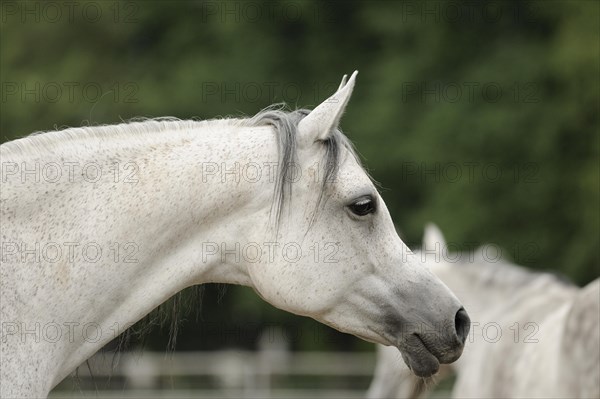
425,365
418,358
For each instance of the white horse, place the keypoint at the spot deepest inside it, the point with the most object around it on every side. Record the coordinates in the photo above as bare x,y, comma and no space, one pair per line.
100,225
532,335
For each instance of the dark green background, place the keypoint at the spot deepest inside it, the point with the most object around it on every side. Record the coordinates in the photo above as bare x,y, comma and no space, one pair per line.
449,96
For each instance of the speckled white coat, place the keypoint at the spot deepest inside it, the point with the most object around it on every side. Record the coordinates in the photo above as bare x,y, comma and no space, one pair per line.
156,214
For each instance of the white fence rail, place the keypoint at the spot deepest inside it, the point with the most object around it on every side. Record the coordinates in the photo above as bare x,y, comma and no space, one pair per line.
227,374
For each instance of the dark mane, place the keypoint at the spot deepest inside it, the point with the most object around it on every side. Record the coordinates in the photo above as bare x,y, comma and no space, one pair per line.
286,126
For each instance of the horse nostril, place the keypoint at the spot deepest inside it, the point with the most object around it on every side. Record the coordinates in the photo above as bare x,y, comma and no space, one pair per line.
462,324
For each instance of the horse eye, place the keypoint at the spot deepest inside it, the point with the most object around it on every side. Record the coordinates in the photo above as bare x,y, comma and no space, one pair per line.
363,206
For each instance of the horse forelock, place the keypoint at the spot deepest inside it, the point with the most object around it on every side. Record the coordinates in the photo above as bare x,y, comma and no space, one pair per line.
285,123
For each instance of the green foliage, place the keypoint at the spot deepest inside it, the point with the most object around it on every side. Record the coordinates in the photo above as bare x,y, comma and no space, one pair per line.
427,99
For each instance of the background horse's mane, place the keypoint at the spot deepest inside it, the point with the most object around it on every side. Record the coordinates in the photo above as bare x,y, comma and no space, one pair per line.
507,274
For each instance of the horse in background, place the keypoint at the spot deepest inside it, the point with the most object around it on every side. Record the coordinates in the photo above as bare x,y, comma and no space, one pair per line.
533,334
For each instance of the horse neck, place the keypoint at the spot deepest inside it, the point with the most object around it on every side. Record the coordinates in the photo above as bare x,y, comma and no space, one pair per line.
150,215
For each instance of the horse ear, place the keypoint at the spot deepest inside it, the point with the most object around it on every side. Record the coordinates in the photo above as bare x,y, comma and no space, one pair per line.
317,125
433,239
343,83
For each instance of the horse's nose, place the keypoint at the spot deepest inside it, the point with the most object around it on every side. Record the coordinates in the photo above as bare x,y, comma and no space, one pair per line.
462,324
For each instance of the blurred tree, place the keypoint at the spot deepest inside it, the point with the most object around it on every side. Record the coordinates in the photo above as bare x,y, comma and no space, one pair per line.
479,116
